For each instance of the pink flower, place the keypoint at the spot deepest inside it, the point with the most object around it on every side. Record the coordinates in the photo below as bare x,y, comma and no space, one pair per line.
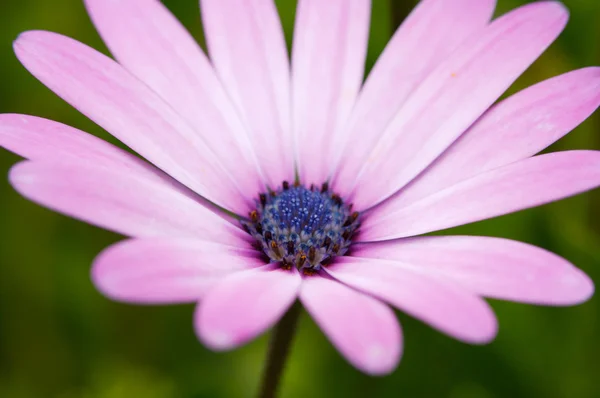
419,147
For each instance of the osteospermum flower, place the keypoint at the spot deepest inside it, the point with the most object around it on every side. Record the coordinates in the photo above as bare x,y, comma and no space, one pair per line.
265,182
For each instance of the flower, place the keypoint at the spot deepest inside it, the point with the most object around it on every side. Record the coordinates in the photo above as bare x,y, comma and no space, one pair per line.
264,184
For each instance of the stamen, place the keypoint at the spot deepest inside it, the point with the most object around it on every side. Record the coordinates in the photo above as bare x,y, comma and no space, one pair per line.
302,227
312,254
337,200
336,248
254,216
285,264
301,260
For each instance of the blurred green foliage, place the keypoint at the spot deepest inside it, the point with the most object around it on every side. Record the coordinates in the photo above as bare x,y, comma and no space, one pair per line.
60,338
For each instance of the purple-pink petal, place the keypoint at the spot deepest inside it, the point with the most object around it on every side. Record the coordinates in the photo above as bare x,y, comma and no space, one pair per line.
364,330
152,44
36,138
433,30
166,270
517,186
452,97
109,95
515,129
491,267
121,200
443,305
244,305
247,48
328,60
45,140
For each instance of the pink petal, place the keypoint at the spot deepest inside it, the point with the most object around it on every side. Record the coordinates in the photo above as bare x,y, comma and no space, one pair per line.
121,200
328,59
442,305
109,95
148,41
364,330
492,267
433,30
247,48
244,305
42,139
454,96
515,129
51,142
165,271
527,183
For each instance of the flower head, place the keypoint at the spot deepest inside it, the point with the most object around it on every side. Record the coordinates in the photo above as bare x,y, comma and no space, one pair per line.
263,182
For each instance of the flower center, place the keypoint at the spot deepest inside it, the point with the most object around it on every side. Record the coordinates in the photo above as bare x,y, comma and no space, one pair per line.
302,227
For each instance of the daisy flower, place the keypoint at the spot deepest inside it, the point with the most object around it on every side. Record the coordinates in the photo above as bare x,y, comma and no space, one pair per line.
263,182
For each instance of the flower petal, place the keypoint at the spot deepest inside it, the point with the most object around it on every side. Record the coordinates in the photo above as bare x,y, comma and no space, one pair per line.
515,129
328,60
45,140
444,306
148,41
106,93
364,330
166,270
125,202
517,186
41,139
244,305
247,48
433,30
453,96
492,267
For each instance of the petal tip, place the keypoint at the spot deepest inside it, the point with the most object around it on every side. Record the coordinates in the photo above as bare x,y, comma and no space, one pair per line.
212,336
106,282
217,340
24,38
99,269
579,288
561,10
484,333
554,5
380,360
21,37
18,176
22,46
546,11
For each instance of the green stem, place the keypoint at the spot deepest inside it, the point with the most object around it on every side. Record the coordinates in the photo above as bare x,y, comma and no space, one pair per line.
279,347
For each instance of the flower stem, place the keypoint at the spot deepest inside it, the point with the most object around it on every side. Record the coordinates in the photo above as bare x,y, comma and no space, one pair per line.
279,347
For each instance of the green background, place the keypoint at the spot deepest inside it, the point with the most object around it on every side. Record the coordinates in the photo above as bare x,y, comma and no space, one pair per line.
61,338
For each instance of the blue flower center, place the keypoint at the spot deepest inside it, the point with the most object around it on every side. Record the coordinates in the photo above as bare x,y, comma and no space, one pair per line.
302,227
